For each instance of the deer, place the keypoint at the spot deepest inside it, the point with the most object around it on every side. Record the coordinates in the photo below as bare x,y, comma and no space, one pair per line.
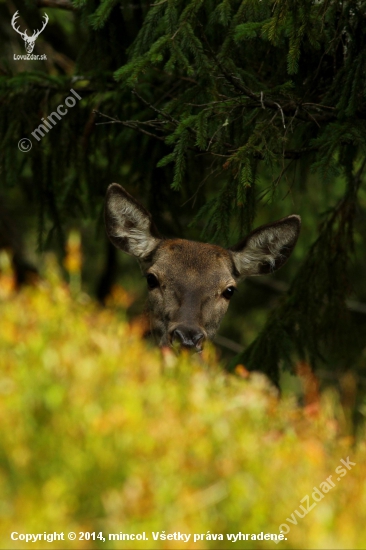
29,40
190,283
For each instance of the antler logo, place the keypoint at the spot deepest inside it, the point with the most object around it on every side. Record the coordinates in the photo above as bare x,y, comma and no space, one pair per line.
29,40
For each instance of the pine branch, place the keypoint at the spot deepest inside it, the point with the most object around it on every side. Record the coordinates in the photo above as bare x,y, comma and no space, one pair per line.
290,108
132,124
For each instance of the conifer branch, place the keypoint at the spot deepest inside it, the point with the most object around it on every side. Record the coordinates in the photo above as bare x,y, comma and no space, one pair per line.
289,109
162,113
132,124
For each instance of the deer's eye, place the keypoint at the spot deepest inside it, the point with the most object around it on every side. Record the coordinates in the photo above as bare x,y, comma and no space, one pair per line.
229,292
152,281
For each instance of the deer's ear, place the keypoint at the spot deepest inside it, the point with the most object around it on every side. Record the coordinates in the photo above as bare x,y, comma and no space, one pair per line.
267,248
129,226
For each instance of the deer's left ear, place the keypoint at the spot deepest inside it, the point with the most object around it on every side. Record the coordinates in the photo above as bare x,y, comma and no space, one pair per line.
267,248
129,226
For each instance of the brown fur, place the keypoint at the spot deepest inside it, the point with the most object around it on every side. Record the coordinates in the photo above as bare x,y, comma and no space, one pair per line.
189,301
192,278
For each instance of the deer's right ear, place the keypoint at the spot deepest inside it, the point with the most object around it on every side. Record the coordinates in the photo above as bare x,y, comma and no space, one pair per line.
129,226
267,248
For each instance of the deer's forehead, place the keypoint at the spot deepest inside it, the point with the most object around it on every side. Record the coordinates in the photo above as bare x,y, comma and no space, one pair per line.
189,259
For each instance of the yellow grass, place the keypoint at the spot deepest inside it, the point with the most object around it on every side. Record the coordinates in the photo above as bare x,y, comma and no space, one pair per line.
101,434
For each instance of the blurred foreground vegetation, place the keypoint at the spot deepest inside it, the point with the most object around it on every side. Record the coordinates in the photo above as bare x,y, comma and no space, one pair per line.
101,433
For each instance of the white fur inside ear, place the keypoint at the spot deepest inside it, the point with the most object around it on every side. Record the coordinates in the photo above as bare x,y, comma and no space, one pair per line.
131,224
267,249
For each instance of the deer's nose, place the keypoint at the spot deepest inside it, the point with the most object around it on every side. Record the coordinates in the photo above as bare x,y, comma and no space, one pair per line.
188,337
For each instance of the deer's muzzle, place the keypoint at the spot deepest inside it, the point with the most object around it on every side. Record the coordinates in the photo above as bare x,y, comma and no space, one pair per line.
188,337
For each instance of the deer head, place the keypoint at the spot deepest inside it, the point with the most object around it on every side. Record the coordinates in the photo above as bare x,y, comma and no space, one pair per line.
29,40
190,283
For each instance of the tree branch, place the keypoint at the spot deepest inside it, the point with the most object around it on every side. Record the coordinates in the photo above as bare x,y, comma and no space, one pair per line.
290,108
132,124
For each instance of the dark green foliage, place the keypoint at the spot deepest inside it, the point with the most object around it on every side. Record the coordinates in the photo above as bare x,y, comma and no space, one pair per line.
313,319
231,103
